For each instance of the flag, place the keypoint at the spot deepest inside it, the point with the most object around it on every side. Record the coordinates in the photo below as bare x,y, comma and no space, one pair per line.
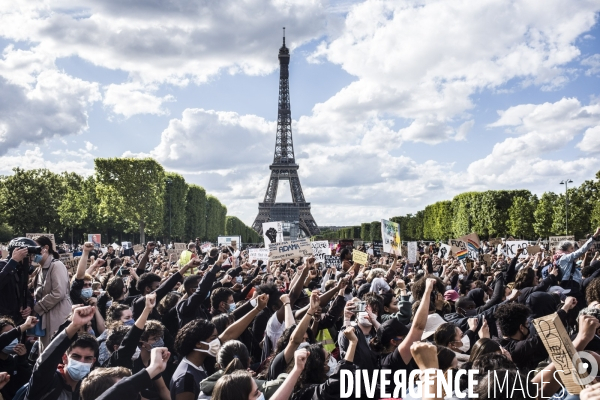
461,255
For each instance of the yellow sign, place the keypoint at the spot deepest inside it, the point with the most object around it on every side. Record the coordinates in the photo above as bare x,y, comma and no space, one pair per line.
359,257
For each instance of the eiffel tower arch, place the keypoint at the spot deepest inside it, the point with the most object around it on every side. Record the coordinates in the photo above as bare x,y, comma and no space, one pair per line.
284,165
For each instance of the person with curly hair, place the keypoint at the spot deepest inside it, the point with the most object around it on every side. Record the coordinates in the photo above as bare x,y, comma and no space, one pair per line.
524,344
198,341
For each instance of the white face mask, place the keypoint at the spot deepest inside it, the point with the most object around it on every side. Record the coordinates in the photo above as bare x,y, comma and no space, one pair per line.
466,344
363,320
213,347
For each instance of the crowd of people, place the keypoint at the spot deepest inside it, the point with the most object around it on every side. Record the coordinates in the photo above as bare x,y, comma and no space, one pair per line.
218,325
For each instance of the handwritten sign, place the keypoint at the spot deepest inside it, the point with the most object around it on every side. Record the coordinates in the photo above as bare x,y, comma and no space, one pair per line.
457,245
333,261
512,246
555,241
377,248
360,258
258,254
533,250
320,248
180,246
561,350
34,236
290,249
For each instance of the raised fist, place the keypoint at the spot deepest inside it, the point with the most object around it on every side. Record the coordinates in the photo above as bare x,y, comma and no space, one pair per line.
271,234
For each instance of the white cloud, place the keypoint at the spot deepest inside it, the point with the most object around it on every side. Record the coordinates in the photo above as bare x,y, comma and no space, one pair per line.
591,140
131,98
423,61
537,131
166,41
55,106
60,161
593,62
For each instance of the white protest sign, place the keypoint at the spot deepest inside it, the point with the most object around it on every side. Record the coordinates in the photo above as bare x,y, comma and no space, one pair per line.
205,248
272,232
512,246
290,249
320,248
390,235
34,236
555,241
180,246
444,251
333,261
258,254
412,252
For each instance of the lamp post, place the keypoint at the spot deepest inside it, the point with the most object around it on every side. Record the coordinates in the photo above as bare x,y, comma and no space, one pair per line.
169,183
566,183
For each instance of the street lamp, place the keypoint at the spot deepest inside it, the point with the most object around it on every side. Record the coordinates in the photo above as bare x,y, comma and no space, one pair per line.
169,183
566,183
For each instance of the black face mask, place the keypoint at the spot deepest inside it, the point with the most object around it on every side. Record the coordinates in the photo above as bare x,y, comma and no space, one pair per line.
528,332
470,313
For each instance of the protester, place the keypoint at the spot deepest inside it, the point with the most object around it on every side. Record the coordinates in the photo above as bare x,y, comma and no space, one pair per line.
236,328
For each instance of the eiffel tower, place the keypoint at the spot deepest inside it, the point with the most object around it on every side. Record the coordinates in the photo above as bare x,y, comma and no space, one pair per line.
284,165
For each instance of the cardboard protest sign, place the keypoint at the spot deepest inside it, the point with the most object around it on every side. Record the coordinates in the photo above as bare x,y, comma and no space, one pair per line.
487,258
333,261
180,246
457,245
233,241
444,251
34,236
512,246
562,352
390,235
533,250
258,254
138,248
272,232
473,244
495,241
290,249
95,238
555,241
412,252
320,248
360,258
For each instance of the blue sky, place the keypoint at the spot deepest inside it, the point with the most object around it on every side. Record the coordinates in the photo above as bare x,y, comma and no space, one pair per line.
396,104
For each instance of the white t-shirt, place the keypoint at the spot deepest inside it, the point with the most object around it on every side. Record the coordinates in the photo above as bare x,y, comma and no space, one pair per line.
275,329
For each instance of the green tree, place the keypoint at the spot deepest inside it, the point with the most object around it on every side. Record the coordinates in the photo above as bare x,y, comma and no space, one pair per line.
543,215
134,189
175,197
520,218
375,230
29,201
195,213
365,231
215,218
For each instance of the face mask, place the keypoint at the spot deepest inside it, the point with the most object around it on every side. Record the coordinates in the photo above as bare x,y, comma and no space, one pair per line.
38,258
129,322
108,304
231,307
238,279
87,293
466,344
362,319
332,366
78,370
10,349
159,343
261,397
470,313
213,347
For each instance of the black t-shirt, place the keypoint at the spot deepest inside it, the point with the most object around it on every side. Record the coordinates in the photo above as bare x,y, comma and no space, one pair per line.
151,392
187,378
395,362
278,366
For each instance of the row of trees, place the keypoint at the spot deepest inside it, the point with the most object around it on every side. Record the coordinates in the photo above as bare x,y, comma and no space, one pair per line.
494,213
125,196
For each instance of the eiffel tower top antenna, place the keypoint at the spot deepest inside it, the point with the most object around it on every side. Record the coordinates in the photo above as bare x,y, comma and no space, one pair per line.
284,35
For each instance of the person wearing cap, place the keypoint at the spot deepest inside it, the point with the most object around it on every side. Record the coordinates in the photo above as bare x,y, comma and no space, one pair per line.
11,271
451,296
